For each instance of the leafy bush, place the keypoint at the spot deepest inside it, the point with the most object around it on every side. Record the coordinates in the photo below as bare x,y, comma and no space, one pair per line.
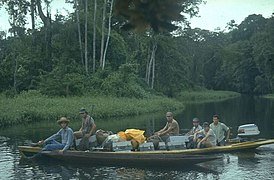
124,83
58,83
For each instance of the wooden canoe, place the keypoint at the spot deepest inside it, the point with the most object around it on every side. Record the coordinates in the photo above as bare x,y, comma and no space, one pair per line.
241,146
184,157
152,159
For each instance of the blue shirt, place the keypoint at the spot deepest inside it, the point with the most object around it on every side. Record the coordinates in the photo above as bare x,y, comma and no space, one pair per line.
66,136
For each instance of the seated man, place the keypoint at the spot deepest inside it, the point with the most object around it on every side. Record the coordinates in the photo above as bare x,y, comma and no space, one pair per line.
209,138
196,127
66,135
87,129
171,129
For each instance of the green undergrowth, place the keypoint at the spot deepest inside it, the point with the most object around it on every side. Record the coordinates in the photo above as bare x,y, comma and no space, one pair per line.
33,107
269,96
205,96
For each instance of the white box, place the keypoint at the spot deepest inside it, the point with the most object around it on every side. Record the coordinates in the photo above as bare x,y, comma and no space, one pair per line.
178,139
162,146
176,145
122,146
148,146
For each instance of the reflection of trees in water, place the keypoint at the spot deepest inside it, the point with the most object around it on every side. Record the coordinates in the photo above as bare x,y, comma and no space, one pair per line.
7,159
234,112
41,168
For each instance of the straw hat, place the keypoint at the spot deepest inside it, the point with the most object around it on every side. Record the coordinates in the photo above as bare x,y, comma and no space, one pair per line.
63,119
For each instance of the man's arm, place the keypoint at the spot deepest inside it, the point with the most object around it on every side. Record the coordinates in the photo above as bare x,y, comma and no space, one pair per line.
69,141
227,130
227,134
167,130
161,130
54,136
190,132
82,125
195,136
92,129
205,138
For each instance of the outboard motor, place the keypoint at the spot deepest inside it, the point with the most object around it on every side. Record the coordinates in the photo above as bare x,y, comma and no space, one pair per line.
248,130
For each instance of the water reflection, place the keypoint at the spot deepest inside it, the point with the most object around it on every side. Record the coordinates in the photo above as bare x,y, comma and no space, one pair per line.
43,167
232,166
6,159
234,112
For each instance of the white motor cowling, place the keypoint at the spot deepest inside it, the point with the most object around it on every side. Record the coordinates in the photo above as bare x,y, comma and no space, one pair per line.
248,130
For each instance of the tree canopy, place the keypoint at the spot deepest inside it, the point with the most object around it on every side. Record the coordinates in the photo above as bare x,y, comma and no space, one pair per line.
88,51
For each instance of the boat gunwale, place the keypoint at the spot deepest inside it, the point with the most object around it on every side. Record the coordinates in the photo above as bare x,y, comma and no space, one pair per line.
215,149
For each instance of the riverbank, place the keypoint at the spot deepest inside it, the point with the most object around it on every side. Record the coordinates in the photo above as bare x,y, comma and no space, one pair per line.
34,107
206,96
269,96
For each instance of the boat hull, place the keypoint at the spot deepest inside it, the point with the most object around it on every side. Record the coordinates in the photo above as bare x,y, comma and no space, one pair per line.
152,159
131,159
183,157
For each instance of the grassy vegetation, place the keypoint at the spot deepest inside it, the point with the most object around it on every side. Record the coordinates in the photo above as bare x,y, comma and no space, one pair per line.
269,96
33,107
205,96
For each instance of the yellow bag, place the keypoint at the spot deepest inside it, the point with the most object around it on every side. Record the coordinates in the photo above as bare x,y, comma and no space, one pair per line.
136,134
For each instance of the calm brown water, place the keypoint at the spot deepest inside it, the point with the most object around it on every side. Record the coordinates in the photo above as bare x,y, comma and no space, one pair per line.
248,165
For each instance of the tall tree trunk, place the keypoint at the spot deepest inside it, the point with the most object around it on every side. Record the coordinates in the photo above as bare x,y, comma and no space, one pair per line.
151,65
108,36
86,36
76,3
147,66
103,33
153,68
32,14
48,34
15,74
94,35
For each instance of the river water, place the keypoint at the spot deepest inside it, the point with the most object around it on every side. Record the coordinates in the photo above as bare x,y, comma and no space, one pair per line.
246,165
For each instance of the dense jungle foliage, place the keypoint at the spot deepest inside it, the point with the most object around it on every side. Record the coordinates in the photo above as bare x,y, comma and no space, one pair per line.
88,52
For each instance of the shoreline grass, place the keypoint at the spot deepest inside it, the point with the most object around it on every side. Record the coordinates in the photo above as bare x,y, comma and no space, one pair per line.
269,96
34,107
31,106
206,96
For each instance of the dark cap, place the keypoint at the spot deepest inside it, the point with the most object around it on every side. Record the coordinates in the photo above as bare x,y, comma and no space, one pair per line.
205,124
82,110
196,120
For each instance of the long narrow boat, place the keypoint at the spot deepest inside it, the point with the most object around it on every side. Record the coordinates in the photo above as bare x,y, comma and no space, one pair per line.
184,157
148,158
241,146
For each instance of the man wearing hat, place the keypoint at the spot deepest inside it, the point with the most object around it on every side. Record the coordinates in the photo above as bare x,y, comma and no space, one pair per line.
209,138
196,127
66,135
88,125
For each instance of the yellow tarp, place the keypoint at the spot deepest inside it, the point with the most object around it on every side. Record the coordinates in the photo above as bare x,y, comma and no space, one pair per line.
135,134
